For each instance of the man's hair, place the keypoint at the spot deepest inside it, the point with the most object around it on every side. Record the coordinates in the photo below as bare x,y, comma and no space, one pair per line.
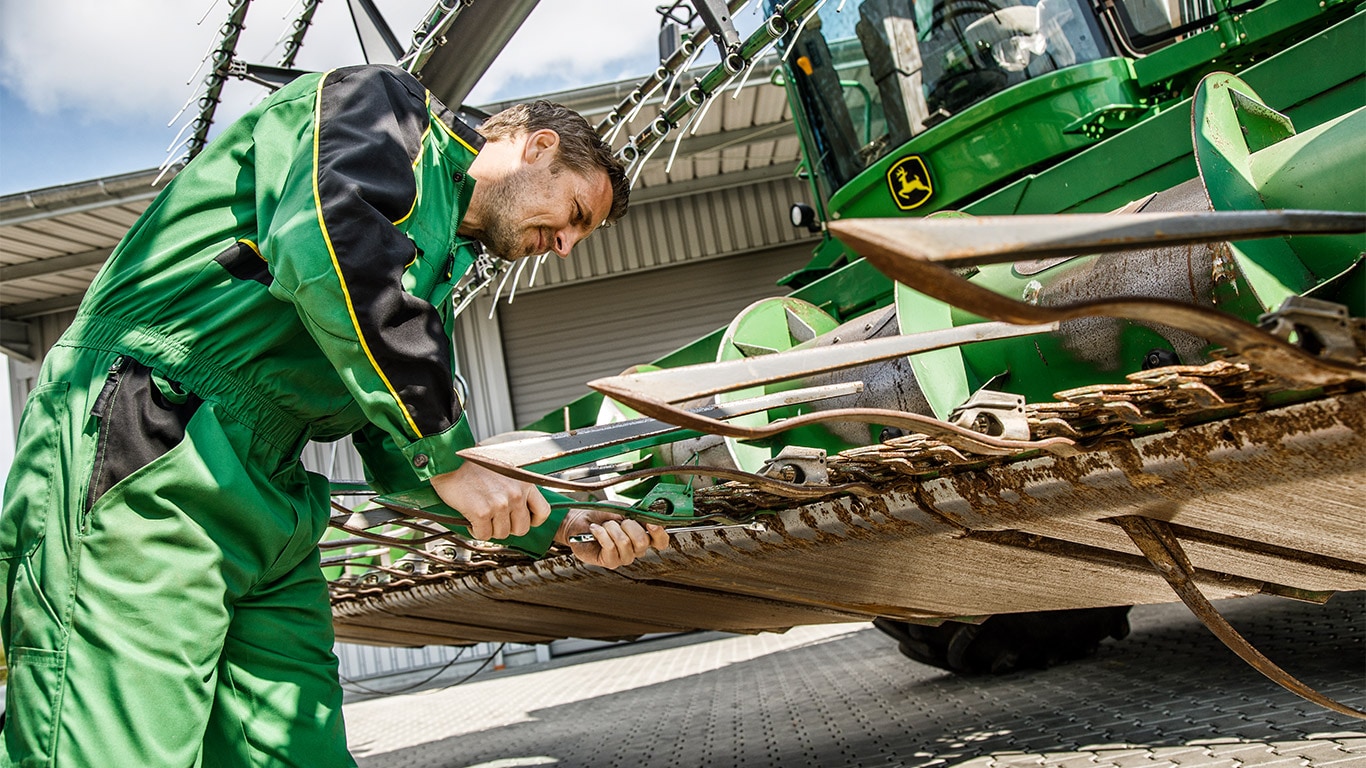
581,149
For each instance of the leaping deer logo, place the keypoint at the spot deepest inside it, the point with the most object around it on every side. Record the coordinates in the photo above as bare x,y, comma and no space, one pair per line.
909,184
909,181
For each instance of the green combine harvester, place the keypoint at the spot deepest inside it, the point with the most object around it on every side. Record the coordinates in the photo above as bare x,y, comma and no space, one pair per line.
1083,327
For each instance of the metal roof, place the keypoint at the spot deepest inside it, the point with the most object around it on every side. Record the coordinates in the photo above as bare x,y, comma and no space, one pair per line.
54,240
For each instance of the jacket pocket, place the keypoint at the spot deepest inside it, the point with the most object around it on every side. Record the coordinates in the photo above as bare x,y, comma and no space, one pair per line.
141,416
34,484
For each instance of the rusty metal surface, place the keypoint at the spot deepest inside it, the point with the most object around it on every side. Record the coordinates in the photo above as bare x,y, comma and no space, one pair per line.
978,240
882,246
1205,448
570,585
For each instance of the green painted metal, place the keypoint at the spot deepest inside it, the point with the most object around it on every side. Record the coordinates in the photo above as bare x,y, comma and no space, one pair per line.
1225,110
1156,154
1251,157
991,141
1307,172
1139,158
765,327
942,374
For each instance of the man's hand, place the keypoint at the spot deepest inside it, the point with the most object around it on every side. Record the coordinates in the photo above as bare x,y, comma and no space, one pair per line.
495,506
618,541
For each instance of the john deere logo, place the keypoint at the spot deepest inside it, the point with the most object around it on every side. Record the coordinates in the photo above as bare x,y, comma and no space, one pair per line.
909,180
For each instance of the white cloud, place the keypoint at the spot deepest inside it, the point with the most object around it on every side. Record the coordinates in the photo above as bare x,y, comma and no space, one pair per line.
571,43
117,59
99,59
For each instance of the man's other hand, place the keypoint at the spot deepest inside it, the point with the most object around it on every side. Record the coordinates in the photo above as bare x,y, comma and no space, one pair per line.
495,506
617,541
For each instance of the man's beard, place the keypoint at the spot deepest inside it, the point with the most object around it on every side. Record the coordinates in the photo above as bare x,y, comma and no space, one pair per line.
503,236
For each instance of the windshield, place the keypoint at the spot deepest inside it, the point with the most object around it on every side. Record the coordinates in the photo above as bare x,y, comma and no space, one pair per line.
872,76
1148,24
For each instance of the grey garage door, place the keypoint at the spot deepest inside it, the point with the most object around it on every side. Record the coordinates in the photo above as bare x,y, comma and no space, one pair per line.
557,339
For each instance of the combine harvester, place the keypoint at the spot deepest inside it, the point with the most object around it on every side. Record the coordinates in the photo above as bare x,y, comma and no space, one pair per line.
1084,328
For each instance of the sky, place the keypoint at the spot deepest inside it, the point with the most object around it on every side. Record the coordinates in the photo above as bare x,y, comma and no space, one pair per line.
92,88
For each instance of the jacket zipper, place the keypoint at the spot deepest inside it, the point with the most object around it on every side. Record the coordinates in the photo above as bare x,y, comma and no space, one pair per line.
98,410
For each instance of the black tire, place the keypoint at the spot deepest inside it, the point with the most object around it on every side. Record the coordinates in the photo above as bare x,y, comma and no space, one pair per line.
1011,641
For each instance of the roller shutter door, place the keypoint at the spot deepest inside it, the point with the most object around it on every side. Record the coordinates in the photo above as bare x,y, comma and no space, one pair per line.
557,339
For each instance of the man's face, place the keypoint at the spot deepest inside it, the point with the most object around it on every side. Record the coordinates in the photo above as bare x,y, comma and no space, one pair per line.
536,209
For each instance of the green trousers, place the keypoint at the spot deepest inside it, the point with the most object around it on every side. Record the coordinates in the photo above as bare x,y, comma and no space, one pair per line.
163,603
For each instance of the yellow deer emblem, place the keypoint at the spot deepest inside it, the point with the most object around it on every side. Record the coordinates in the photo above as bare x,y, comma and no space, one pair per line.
909,181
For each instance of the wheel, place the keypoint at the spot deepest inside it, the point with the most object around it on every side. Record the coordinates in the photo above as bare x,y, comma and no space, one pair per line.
1011,641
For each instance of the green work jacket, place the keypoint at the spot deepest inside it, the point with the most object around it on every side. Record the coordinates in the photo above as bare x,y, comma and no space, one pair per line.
300,271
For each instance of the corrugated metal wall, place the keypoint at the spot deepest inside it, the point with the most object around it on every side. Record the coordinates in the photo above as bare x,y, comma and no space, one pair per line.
664,232
554,341
46,330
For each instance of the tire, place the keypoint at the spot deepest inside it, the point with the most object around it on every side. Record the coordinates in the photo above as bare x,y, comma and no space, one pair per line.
1011,641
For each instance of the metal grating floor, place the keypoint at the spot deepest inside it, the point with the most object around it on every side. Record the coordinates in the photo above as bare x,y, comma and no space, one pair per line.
840,695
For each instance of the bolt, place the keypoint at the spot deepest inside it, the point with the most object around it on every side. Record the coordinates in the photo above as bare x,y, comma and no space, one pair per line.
1159,358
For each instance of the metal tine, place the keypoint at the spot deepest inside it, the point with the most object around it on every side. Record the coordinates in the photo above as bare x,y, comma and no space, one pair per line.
959,437
676,385
542,448
973,241
883,243
798,491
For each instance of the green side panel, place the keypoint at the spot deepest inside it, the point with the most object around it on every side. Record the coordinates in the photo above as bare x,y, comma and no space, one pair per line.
1156,154
1233,39
1147,158
851,291
994,140
1195,51
1307,172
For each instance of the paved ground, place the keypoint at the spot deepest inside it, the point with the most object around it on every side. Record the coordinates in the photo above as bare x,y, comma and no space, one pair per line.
1169,695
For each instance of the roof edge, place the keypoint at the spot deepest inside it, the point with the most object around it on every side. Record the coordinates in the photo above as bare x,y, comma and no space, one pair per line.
109,190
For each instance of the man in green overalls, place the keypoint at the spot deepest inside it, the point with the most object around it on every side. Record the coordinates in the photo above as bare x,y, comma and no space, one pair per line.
163,602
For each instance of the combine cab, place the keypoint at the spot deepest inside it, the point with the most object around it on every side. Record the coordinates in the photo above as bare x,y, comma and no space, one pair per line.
1083,331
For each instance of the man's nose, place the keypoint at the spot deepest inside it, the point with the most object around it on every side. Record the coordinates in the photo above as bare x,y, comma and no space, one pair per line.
564,241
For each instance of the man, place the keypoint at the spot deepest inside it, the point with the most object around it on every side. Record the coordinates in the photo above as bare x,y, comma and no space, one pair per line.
164,603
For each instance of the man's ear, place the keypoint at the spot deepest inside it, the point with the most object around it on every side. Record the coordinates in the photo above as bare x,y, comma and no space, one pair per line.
541,147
